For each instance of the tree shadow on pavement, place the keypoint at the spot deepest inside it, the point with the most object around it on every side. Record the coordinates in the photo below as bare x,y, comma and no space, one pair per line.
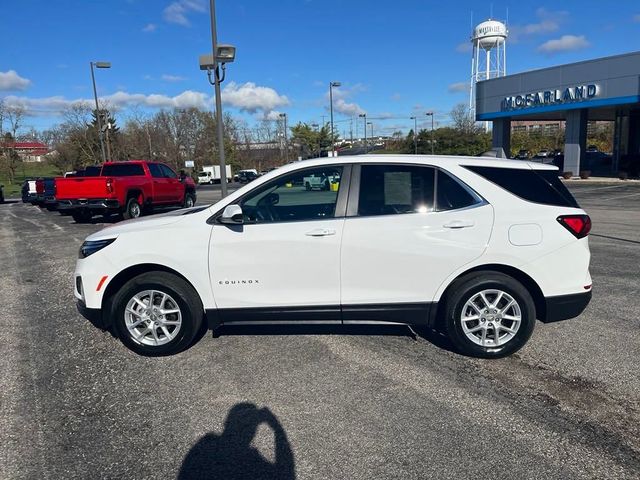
230,455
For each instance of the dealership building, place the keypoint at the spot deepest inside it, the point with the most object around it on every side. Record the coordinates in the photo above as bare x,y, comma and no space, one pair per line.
604,89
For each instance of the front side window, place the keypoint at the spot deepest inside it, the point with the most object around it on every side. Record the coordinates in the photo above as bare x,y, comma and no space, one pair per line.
395,189
301,196
168,173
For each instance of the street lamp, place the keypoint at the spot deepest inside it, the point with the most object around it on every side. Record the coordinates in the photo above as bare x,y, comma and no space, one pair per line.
430,114
95,97
364,116
221,54
370,123
415,134
286,142
315,127
331,85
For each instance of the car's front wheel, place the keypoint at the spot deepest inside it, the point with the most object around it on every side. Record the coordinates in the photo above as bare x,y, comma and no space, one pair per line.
157,313
489,315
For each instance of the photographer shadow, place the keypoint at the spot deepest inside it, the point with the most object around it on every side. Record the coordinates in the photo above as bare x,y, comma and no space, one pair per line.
230,454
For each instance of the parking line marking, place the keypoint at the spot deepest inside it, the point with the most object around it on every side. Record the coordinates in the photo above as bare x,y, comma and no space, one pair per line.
579,191
621,196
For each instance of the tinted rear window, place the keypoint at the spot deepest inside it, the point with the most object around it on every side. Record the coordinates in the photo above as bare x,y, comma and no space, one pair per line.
122,170
91,172
538,186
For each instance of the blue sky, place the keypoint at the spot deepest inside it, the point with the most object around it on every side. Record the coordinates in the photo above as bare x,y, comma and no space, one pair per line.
394,59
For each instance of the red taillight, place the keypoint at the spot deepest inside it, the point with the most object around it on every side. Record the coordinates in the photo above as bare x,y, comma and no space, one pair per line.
110,185
579,225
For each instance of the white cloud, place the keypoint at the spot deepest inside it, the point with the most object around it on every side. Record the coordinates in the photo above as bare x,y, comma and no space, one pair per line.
252,98
12,81
247,97
564,44
464,47
340,103
458,87
177,12
172,78
150,27
548,22
272,115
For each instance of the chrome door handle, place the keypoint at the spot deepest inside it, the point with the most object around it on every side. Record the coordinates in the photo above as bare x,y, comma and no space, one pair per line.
321,232
459,224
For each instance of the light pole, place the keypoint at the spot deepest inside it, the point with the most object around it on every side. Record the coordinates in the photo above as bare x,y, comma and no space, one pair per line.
315,127
331,85
415,134
95,97
371,124
364,117
430,114
220,55
286,142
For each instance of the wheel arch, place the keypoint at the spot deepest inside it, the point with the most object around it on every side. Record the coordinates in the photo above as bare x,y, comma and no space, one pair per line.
135,193
133,271
529,283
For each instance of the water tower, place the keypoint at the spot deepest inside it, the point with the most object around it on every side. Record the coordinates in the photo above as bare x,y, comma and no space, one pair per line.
489,56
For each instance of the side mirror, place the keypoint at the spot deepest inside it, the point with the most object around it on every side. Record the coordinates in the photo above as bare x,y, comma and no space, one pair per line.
232,215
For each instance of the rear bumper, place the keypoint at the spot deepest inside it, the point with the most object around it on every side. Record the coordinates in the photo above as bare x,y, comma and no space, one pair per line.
90,203
564,307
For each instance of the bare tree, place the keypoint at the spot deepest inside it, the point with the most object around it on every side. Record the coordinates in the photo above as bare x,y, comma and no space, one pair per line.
462,119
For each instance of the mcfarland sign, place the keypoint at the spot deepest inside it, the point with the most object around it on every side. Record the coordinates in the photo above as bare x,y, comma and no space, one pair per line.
578,93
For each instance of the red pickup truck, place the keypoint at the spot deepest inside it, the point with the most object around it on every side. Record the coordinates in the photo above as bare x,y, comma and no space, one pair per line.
130,188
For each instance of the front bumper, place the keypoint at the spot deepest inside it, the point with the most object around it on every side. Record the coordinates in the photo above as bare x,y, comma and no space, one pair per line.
90,203
94,315
564,307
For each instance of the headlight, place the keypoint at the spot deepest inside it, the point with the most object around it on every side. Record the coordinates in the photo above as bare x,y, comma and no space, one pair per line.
89,247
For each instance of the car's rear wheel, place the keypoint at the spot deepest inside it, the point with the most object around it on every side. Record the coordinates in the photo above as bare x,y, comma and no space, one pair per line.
157,313
189,200
133,209
489,315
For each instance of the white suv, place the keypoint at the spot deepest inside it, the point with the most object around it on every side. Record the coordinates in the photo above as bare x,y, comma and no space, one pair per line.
477,248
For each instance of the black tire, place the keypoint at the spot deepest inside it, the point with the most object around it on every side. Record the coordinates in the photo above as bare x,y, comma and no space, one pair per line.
133,209
82,216
189,200
464,289
307,186
185,296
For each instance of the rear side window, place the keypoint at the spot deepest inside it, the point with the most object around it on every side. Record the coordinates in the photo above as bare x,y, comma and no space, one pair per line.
122,170
90,172
538,186
155,170
451,194
395,189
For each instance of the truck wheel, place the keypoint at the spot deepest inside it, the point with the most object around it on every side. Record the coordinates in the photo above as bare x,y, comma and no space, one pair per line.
157,313
189,200
489,315
133,209
307,186
82,216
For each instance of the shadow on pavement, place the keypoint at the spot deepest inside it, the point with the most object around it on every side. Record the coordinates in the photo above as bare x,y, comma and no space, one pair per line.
432,336
231,456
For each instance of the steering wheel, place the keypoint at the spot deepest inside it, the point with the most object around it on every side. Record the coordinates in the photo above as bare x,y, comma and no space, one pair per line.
264,213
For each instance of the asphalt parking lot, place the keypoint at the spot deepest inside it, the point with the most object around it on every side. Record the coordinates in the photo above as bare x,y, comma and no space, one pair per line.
358,403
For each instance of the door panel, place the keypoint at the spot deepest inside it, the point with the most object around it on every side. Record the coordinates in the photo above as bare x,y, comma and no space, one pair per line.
284,261
277,264
405,258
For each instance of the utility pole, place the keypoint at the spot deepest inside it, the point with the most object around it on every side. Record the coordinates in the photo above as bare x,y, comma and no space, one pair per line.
219,125
333,143
415,134
430,114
